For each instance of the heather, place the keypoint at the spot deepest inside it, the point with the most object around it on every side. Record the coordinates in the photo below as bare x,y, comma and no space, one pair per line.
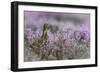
52,36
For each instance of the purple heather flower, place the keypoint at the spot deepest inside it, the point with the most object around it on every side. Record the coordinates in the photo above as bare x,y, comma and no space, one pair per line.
85,32
38,33
82,34
30,36
50,36
30,33
77,35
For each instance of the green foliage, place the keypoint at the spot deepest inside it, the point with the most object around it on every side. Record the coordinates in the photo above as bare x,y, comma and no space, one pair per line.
80,52
58,55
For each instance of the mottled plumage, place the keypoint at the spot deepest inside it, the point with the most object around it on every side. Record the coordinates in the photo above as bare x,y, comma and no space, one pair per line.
41,41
